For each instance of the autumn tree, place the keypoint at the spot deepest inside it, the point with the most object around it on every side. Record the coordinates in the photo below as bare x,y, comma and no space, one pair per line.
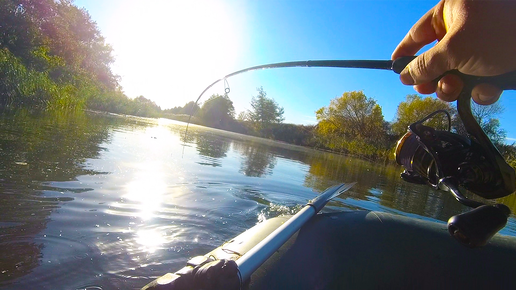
415,108
264,112
353,123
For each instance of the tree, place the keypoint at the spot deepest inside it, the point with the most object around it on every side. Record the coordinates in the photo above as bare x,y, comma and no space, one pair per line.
485,116
265,111
145,107
293,134
189,108
243,116
55,53
353,123
509,153
217,111
416,108
174,110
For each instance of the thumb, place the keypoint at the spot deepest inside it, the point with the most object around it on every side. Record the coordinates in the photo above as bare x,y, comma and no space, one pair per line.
427,66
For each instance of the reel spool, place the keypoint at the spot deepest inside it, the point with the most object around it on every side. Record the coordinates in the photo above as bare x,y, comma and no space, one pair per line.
449,162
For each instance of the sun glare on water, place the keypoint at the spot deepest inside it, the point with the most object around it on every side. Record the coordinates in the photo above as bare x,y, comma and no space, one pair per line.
168,51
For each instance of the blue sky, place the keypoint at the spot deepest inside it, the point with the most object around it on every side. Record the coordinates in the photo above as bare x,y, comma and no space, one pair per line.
169,51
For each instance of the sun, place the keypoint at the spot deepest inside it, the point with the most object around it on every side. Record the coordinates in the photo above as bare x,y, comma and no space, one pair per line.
168,51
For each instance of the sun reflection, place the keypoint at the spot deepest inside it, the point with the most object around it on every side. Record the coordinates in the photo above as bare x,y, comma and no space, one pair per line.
148,191
150,240
146,196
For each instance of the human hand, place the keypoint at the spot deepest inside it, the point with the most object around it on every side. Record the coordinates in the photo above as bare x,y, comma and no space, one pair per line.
474,37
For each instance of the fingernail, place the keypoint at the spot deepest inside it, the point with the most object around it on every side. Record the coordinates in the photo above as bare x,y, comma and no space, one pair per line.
406,78
485,98
446,88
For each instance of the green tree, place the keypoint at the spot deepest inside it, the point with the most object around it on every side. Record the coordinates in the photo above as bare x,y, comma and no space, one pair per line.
217,111
145,107
243,116
55,54
294,134
190,108
416,108
353,123
265,111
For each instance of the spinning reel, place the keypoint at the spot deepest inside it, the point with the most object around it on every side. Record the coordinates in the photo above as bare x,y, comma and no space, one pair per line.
451,162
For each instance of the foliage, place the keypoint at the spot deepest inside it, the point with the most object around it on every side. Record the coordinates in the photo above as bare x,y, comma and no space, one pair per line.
52,56
294,134
509,153
217,111
243,116
190,108
416,108
352,123
20,86
265,111
145,107
188,113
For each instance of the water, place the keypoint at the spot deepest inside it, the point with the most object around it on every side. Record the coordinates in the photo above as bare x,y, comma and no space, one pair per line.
96,200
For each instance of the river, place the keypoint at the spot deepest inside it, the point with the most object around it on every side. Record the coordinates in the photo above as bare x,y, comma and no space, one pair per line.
98,201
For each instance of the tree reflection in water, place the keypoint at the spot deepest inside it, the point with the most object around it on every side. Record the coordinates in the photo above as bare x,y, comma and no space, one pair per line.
382,183
212,148
257,160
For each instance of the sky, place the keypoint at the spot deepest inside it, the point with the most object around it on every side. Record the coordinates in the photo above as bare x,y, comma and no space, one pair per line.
169,51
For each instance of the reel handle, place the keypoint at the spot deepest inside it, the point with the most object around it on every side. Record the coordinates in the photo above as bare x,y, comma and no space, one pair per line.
476,227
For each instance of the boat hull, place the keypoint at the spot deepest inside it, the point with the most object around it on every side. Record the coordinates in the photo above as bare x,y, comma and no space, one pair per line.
374,250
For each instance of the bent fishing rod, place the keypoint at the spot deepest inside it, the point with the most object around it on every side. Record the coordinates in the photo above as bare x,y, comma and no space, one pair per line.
395,65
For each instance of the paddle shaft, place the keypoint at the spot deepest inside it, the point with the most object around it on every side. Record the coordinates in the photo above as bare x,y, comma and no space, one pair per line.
255,257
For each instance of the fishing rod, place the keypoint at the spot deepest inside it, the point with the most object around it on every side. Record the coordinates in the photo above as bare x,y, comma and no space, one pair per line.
395,65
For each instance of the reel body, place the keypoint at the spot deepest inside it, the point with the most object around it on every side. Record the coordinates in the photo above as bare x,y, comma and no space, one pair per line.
429,155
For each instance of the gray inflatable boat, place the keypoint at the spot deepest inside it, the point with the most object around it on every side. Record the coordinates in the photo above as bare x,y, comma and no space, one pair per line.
369,250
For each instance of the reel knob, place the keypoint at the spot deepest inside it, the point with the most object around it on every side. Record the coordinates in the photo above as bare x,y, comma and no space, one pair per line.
475,228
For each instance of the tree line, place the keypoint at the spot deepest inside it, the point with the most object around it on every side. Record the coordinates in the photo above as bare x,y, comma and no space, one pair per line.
351,124
52,56
354,123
